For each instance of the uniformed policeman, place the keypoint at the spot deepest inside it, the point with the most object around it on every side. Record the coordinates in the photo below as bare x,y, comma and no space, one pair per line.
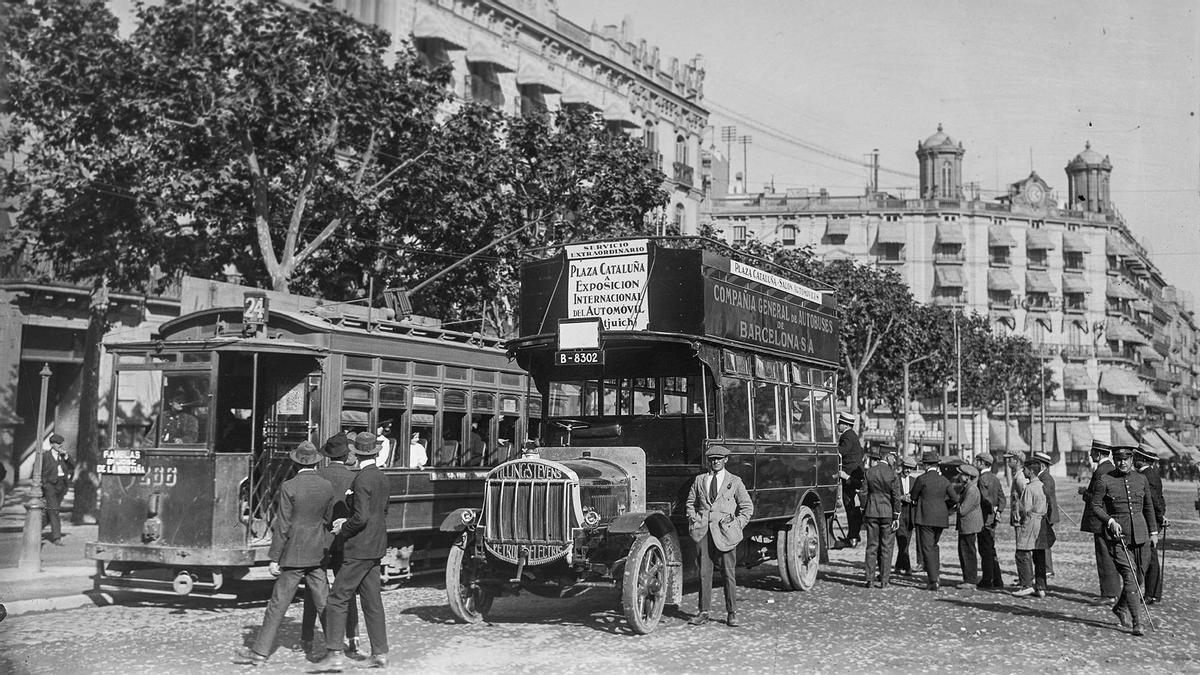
1144,460
1121,501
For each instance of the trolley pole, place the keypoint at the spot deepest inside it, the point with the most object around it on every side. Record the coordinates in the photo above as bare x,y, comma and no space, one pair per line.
31,546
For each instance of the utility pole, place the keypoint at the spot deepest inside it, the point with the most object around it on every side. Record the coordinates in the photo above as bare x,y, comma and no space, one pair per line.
31,546
907,435
745,141
728,134
875,171
958,389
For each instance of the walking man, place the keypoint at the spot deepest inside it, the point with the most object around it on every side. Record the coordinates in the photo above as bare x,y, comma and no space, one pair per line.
365,534
851,475
931,494
904,533
1029,509
1144,460
991,503
718,507
1121,501
57,471
299,542
881,513
970,523
1110,581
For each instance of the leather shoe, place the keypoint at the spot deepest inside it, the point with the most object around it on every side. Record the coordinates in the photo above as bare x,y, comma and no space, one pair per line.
966,586
1138,630
378,661
247,655
1041,592
330,660
1122,616
58,542
1024,592
931,587
732,620
1101,600
699,620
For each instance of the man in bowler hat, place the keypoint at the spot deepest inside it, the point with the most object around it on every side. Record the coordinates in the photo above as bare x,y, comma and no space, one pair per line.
718,507
881,513
851,475
1110,581
931,495
299,542
365,534
1121,502
57,471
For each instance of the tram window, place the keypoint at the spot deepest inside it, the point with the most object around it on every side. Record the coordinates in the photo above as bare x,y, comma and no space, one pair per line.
451,451
164,358
510,379
455,399
591,396
138,398
456,373
828,379
510,404
533,412
681,396
479,443
184,418
735,363
131,358
822,403
363,363
485,376
766,414
390,453
395,395
508,440
565,399
234,402
736,406
394,367
424,397
801,415
357,400
425,370
357,392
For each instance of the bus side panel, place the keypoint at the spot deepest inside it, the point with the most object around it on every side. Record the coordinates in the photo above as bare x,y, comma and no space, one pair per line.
228,530
421,500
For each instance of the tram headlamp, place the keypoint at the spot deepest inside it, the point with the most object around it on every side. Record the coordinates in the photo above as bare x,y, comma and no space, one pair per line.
591,518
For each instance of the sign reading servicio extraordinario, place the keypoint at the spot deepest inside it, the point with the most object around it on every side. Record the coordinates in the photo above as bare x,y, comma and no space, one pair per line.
608,280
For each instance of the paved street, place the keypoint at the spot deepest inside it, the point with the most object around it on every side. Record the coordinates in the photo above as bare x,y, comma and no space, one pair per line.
838,627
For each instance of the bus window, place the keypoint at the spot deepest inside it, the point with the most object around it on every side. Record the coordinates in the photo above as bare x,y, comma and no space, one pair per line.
766,416
184,418
138,399
643,394
801,415
565,399
611,397
736,407
822,403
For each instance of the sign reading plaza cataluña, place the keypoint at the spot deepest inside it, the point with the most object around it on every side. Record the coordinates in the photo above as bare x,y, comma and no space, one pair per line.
608,280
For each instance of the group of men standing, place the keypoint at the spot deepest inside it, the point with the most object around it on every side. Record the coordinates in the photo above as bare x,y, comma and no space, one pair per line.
329,520
1123,508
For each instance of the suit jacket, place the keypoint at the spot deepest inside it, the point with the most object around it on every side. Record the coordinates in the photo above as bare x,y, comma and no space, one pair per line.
723,518
852,453
931,492
50,466
1154,480
1088,521
970,509
907,509
1031,510
1052,513
882,499
341,477
1125,497
366,530
991,497
301,528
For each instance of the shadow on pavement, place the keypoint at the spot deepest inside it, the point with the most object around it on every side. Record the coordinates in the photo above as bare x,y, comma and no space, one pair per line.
1028,610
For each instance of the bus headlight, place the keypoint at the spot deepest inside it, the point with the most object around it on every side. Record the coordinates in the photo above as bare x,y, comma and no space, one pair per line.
591,518
468,517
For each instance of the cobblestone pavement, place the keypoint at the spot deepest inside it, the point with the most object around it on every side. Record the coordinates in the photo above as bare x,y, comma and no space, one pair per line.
838,627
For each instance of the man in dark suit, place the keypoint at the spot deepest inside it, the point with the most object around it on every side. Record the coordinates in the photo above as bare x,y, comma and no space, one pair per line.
57,471
881,513
1121,502
931,495
718,507
299,542
904,532
339,472
991,504
1144,460
1110,581
851,475
365,533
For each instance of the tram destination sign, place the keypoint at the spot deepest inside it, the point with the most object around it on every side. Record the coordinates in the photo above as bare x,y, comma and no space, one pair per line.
737,312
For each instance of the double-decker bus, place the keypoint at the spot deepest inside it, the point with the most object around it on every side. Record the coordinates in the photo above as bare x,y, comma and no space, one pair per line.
646,352
206,413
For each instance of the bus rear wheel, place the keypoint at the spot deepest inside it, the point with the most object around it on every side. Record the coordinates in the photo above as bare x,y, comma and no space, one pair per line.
468,600
644,584
798,550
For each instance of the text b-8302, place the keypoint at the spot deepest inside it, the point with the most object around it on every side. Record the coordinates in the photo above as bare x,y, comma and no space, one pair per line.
578,357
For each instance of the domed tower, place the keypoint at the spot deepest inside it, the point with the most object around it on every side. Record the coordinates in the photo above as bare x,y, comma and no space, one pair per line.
941,166
1087,181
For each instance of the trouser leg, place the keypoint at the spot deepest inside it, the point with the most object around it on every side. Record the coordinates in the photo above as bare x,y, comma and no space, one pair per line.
1130,600
988,564
927,539
370,595
1025,568
887,541
1153,585
706,572
902,559
281,596
872,552
1110,580
345,585
1039,568
967,559
729,573
52,503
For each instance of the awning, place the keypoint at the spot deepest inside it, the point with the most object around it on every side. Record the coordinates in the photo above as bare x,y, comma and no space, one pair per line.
996,437
1120,382
1115,329
950,233
534,77
837,227
1001,280
1035,315
1074,242
1120,289
1039,281
999,236
1038,240
1114,244
1119,435
572,96
1073,283
1141,306
1153,401
1149,354
1081,436
1151,440
483,53
1004,316
891,233
1176,447
949,277
618,113
431,28
1076,378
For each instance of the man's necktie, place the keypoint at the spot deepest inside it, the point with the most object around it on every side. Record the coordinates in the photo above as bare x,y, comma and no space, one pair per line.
712,489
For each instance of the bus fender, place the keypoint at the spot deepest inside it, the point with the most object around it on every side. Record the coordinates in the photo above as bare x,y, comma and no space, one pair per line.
460,519
632,523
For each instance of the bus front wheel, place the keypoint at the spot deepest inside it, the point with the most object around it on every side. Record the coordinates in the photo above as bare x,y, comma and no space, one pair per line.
468,600
644,584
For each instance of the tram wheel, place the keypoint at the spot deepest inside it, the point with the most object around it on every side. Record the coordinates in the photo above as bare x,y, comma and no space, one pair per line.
468,600
644,584
799,551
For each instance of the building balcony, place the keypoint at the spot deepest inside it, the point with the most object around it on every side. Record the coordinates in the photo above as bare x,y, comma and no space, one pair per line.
655,161
1167,376
1004,303
1042,303
1105,353
959,300
955,258
683,173
1083,407
1000,261
891,259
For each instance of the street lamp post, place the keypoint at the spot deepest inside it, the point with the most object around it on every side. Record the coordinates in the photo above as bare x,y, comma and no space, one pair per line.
31,545
958,389
904,448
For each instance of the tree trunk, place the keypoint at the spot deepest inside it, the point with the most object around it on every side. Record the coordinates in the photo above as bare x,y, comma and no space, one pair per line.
87,442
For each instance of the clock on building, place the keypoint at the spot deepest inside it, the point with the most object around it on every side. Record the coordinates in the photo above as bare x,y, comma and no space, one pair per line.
1034,193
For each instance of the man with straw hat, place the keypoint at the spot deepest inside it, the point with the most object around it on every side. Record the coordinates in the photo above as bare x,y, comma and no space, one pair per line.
904,534
1121,501
851,475
299,541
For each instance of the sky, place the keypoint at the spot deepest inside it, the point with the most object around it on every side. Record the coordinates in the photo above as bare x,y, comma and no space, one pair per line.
1022,84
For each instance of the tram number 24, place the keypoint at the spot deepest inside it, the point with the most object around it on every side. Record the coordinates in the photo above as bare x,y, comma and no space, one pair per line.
165,476
578,357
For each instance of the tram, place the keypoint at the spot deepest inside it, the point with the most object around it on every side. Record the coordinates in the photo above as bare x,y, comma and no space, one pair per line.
205,414
645,353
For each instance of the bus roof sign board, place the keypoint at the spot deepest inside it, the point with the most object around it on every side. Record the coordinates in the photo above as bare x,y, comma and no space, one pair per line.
607,281
786,285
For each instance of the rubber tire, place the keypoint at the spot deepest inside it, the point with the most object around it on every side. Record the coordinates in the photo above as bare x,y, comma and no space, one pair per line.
644,580
781,557
802,576
467,606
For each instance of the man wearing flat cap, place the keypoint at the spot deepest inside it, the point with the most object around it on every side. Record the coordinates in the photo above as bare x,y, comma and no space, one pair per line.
881,513
1144,459
851,475
1110,581
718,508
1121,502
931,494
991,505
299,542
57,471
969,524
365,535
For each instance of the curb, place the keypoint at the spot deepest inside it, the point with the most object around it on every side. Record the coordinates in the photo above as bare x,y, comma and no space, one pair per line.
19,607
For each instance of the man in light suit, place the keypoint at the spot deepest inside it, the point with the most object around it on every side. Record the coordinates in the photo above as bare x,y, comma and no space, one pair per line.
718,508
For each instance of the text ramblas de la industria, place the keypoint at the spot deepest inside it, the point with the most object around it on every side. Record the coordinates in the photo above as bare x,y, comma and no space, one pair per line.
792,324
613,290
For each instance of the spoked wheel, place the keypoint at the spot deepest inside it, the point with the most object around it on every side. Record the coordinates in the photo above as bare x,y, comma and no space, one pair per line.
644,585
468,600
798,551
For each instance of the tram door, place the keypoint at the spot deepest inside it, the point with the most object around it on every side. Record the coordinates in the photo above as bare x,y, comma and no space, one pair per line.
287,413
